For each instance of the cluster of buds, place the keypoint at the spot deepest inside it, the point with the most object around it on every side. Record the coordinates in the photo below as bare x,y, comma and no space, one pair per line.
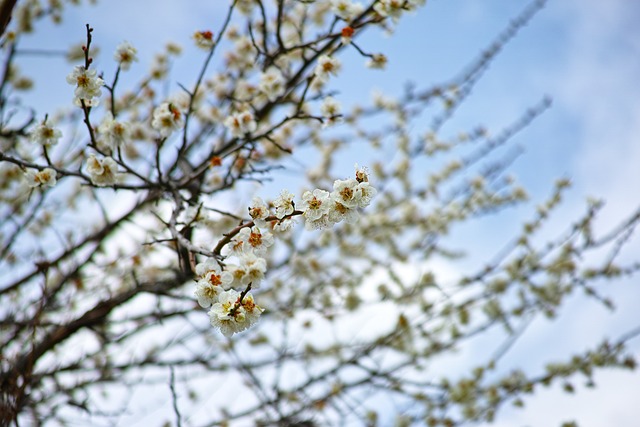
244,267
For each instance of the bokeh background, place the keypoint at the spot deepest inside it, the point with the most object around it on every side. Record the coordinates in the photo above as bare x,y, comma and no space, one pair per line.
584,54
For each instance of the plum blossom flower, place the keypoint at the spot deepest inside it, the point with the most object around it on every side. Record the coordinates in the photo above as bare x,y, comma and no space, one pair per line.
252,240
344,191
45,178
245,6
241,123
346,9
339,212
204,39
115,133
125,54
258,211
362,173
102,172
254,268
207,293
159,67
212,282
232,314
249,270
167,118
272,83
389,8
244,90
326,66
284,204
315,203
330,110
45,135
283,225
315,207
377,61
87,85
364,193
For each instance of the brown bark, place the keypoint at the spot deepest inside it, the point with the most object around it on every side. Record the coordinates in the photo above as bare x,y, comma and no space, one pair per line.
6,8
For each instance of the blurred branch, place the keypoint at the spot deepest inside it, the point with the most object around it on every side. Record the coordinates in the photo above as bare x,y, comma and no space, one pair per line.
6,10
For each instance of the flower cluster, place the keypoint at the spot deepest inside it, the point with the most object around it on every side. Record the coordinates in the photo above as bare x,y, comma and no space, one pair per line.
322,209
272,84
102,172
88,86
167,118
241,123
213,281
394,8
245,266
234,312
45,178
229,310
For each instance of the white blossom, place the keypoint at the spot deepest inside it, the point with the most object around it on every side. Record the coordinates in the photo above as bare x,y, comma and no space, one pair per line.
45,178
244,90
232,315
207,293
115,133
254,268
284,204
364,192
272,83
344,191
339,212
210,264
252,240
283,225
245,6
213,281
159,67
258,211
102,172
330,109
377,61
389,8
125,54
346,9
45,135
167,118
88,85
315,207
326,66
241,123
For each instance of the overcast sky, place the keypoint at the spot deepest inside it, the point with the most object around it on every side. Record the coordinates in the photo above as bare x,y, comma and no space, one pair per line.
585,54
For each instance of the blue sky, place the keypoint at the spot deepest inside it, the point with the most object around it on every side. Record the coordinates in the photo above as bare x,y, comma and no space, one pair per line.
585,54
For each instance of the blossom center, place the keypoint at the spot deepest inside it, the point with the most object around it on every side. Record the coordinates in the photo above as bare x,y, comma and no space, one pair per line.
215,280
255,239
346,193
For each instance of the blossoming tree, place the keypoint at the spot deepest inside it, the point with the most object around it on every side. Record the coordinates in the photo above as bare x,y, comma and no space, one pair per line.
147,260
